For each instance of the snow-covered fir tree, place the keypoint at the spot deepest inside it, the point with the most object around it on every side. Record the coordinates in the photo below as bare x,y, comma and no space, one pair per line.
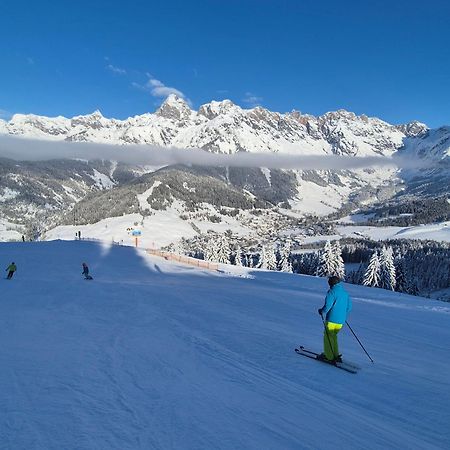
372,275
285,257
249,260
263,257
271,258
387,269
223,250
211,251
338,262
238,257
326,261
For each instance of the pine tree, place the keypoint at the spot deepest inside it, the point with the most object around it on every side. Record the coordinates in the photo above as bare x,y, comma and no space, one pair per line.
302,264
271,258
359,276
249,260
238,257
312,263
326,261
223,250
338,262
263,258
400,277
387,269
285,257
211,251
295,264
356,276
412,288
372,275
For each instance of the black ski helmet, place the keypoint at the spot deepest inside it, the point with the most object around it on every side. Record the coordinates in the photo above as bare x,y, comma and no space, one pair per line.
333,280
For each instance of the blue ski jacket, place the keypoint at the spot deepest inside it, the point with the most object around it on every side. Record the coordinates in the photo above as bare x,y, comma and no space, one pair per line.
337,304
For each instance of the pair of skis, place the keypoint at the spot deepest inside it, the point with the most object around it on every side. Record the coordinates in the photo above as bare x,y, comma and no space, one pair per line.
344,365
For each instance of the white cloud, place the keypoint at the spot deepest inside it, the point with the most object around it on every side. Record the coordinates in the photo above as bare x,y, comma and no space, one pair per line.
115,69
252,99
19,148
157,88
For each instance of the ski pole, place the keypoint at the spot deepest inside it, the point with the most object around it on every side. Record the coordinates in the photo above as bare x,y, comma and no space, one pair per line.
328,336
359,342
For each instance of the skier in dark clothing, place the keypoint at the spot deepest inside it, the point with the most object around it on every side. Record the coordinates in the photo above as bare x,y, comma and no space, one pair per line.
336,308
85,270
11,269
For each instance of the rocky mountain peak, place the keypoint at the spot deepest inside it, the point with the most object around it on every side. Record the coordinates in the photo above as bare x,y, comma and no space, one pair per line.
217,108
174,108
28,124
340,114
94,120
413,129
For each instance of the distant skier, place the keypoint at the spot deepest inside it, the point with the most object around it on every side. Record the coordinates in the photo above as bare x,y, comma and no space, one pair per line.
336,308
86,272
11,269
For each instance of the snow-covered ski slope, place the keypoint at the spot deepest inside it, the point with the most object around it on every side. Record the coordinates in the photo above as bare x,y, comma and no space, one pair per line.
151,355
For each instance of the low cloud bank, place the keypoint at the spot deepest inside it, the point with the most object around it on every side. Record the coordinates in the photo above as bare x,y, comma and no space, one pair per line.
24,149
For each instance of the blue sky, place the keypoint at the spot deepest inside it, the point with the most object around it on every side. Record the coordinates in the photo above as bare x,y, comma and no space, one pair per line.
384,58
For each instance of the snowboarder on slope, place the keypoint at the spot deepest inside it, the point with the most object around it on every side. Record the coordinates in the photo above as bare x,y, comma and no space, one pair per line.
336,308
85,271
11,269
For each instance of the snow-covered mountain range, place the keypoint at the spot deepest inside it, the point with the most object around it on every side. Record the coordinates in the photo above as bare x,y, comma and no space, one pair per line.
226,128
223,127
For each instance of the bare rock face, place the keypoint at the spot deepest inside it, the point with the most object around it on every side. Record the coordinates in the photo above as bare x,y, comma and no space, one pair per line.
413,129
174,108
95,121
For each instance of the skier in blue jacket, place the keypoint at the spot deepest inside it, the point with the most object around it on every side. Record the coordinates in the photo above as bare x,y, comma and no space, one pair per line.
336,308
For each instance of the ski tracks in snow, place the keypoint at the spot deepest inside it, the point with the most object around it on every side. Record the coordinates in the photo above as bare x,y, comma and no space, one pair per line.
193,360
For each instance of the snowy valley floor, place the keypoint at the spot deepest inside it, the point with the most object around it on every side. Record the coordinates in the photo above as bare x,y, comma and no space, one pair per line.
152,355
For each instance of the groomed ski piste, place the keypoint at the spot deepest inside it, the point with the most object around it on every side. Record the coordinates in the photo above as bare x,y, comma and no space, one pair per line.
155,355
